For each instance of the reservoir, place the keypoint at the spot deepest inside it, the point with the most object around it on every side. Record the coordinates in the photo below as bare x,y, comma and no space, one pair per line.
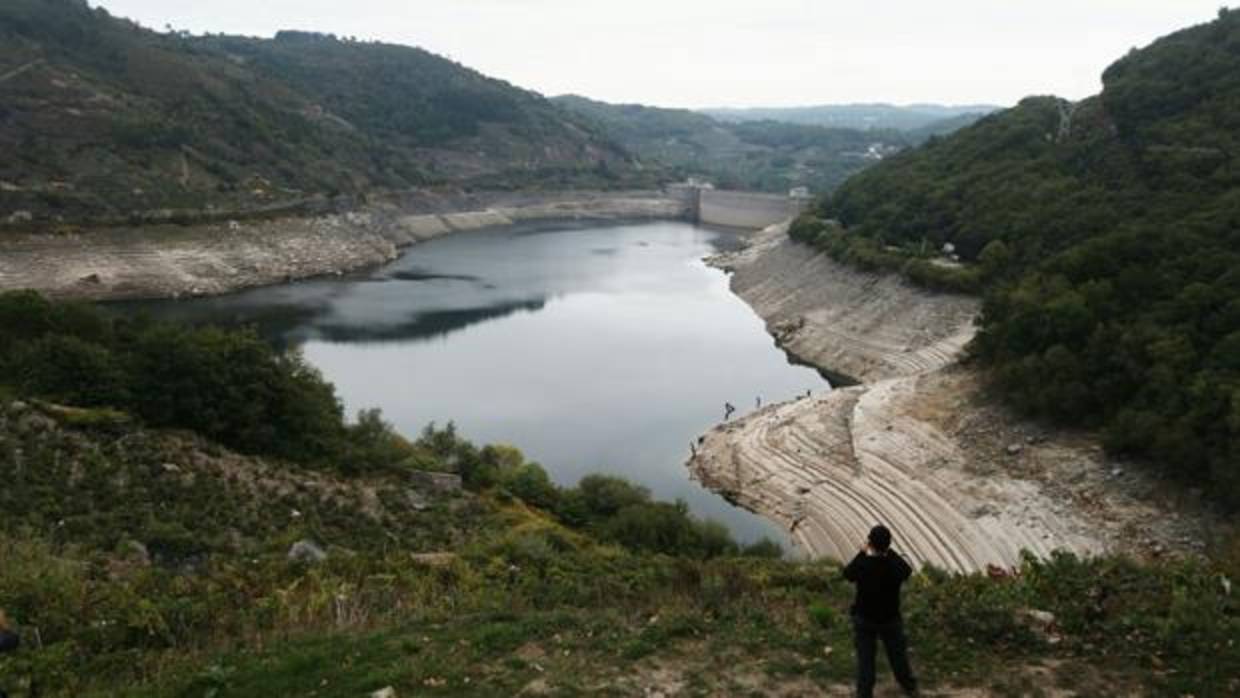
598,349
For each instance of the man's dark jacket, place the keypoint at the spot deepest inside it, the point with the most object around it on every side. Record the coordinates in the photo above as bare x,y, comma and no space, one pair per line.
878,579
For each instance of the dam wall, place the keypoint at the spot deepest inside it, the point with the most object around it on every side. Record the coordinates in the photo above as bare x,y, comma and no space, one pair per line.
740,209
215,254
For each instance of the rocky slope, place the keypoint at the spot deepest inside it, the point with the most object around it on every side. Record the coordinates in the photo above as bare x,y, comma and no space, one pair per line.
858,325
963,483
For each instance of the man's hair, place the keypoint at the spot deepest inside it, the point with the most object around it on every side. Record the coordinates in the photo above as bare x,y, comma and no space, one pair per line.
880,538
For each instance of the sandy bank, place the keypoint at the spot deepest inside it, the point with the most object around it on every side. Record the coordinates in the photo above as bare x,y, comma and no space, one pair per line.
169,261
917,445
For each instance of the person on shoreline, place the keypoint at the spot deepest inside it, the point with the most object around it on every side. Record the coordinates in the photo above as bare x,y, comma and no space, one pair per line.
878,573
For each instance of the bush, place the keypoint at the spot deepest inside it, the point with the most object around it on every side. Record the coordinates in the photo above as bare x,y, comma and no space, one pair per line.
604,496
764,548
530,482
228,385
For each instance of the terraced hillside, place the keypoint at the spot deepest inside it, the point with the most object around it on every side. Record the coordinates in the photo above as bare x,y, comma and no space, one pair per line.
964,484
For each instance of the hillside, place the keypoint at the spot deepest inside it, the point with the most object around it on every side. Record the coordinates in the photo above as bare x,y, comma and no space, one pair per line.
142,558
912,118
755,155
102,118
1104,234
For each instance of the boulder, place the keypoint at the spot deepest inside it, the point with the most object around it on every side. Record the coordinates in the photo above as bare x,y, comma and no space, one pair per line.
1041,623
386,692
306,551
434,559
437,482
1042,617
35,423
417,500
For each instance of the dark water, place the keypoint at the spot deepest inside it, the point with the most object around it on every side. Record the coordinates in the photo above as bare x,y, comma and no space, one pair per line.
603,349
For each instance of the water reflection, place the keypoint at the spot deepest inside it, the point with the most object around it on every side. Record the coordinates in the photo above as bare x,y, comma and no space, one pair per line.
597,349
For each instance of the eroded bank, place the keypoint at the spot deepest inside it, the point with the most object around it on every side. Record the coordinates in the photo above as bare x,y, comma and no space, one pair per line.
169,261
918,444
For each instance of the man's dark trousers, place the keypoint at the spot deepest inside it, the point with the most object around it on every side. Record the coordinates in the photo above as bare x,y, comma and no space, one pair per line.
865,637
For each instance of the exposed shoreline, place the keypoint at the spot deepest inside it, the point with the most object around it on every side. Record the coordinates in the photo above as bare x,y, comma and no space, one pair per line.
171,261
917,444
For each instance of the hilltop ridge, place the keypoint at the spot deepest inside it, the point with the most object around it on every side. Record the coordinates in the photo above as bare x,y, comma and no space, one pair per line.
864,116
102,117
770,153
1104,237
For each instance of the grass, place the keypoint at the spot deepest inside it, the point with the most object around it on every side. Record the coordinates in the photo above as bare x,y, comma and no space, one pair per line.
521,602
598,621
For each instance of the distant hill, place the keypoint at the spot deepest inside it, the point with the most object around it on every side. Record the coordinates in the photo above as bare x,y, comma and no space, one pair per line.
1106,234
861,116
763,155
99,116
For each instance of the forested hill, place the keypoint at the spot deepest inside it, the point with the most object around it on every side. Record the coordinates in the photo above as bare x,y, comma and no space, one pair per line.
762,155
1106,235
914,117
101,116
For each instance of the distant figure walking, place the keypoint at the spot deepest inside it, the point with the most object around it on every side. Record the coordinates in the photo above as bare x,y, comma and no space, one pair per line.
878,573
757,402
9,641
728,409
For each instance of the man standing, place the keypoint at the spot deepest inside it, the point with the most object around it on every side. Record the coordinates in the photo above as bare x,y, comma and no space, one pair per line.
878,572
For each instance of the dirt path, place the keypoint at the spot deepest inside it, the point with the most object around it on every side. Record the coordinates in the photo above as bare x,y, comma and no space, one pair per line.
962,483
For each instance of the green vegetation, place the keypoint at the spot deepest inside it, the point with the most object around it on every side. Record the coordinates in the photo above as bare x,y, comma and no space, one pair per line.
1106,236
918,119
103,120
144,561
230,386
756,155
609,509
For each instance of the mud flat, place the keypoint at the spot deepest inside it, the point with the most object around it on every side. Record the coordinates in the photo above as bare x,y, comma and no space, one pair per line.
168,261
917,445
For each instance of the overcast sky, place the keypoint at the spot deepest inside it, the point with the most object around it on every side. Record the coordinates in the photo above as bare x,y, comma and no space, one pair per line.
699,53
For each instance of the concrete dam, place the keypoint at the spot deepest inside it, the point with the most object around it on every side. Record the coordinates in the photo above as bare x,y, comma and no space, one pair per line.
737,209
